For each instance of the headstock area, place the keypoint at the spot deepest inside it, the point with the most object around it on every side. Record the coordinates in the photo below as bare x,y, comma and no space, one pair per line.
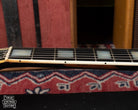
3,53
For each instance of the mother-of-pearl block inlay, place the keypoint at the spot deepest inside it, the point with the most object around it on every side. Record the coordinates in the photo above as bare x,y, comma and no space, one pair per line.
65,54
21,52
102,54
134,54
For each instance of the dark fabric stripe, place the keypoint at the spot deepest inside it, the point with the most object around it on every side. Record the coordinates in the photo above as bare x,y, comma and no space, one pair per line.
12,22
37,22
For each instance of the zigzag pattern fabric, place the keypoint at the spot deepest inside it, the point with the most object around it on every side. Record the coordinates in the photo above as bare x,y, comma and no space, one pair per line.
68,81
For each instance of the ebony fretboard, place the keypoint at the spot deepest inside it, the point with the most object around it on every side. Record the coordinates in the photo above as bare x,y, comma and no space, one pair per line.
76,54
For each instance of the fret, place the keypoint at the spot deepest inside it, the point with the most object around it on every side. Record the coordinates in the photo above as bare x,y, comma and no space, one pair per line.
94,54
121,55
32,53
85,54
75,54
112,55
55,54
129,55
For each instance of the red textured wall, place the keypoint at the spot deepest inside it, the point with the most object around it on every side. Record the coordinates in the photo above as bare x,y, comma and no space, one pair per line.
55,23
27,23
3,34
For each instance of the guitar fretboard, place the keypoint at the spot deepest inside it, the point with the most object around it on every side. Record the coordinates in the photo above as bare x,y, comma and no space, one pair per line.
76,54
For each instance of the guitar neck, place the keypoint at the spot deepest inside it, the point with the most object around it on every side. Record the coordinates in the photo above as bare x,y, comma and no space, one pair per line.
82,56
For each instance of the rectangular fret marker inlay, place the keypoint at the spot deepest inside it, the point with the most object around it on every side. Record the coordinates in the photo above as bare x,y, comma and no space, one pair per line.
21,53
65,54
101,54
134,55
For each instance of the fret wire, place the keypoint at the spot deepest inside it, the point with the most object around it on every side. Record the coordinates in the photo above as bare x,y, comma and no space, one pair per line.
112,55
75,54
55,54
129,56
94,54
33,53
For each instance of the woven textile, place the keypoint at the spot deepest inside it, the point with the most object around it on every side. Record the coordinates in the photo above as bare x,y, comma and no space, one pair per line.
67,81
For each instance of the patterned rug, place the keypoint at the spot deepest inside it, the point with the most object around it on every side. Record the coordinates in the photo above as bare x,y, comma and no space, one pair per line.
67,81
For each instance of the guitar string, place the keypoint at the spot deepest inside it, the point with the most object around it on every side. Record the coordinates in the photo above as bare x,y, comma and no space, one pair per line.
78,56
78,53
71,58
